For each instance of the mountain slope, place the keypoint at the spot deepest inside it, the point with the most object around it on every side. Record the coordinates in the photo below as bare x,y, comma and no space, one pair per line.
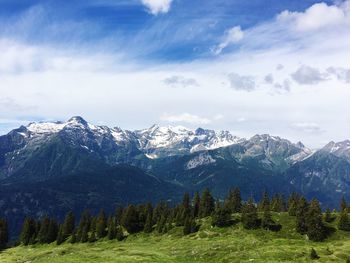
105,187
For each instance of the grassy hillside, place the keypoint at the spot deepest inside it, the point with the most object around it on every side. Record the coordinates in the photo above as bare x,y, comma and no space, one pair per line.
232,244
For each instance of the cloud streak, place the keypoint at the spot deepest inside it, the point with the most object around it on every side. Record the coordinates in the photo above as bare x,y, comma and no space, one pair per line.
185,118
156,7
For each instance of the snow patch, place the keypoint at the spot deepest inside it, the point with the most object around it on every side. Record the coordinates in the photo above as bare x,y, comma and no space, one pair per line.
201,159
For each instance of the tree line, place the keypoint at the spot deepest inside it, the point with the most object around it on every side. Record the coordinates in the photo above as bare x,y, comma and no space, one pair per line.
162,217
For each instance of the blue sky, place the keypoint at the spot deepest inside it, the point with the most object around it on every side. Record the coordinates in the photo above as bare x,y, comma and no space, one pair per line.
279,67
187,31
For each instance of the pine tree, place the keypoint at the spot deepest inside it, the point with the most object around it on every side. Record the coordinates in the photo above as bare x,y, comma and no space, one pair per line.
118,215
85,234
267,221
68,225
149,224
207,204
344,222
4,237
265,201
130,220
84,226
28,231
190,226
250,216
92,237
73,239
101,224
60,236
328,216
314,224
343,204
278,203
111,229
301,212
196,205
52,231
161,224
234,201
221,217
44,231
185,208
293,204
119,234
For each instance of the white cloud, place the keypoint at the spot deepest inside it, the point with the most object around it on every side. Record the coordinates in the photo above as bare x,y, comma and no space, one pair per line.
318,16
233,35
241,119
269,79
186,118
285,85
156,7
342,74
309,127
239,82
180,81
279,67
306,75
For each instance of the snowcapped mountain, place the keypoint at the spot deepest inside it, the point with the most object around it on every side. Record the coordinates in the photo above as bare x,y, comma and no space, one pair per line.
167,141
154,142
339,149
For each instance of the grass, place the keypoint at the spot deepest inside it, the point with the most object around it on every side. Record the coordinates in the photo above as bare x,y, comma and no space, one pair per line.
231,244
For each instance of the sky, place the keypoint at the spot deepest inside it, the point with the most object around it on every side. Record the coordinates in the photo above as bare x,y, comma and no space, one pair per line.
251,67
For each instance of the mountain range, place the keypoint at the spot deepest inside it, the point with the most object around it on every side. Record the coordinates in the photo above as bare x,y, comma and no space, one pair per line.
53,167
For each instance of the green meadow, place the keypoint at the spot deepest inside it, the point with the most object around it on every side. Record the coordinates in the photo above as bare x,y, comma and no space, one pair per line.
209,244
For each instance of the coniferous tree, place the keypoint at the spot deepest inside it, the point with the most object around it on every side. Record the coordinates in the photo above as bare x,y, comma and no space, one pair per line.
190,226
196,205
221,217
92,237
130,220
301,212
185,207
159,210
314,224
28,231
52,231
68,225
344,222
343,204
101,224
4,236
179,220
111,229
44,231
278,203
85,234
328,217
60,236
207,204
161,224
148,228
73,239
234,201
250,218
293,204
267,221
83,227
119,234
265,201
118,215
